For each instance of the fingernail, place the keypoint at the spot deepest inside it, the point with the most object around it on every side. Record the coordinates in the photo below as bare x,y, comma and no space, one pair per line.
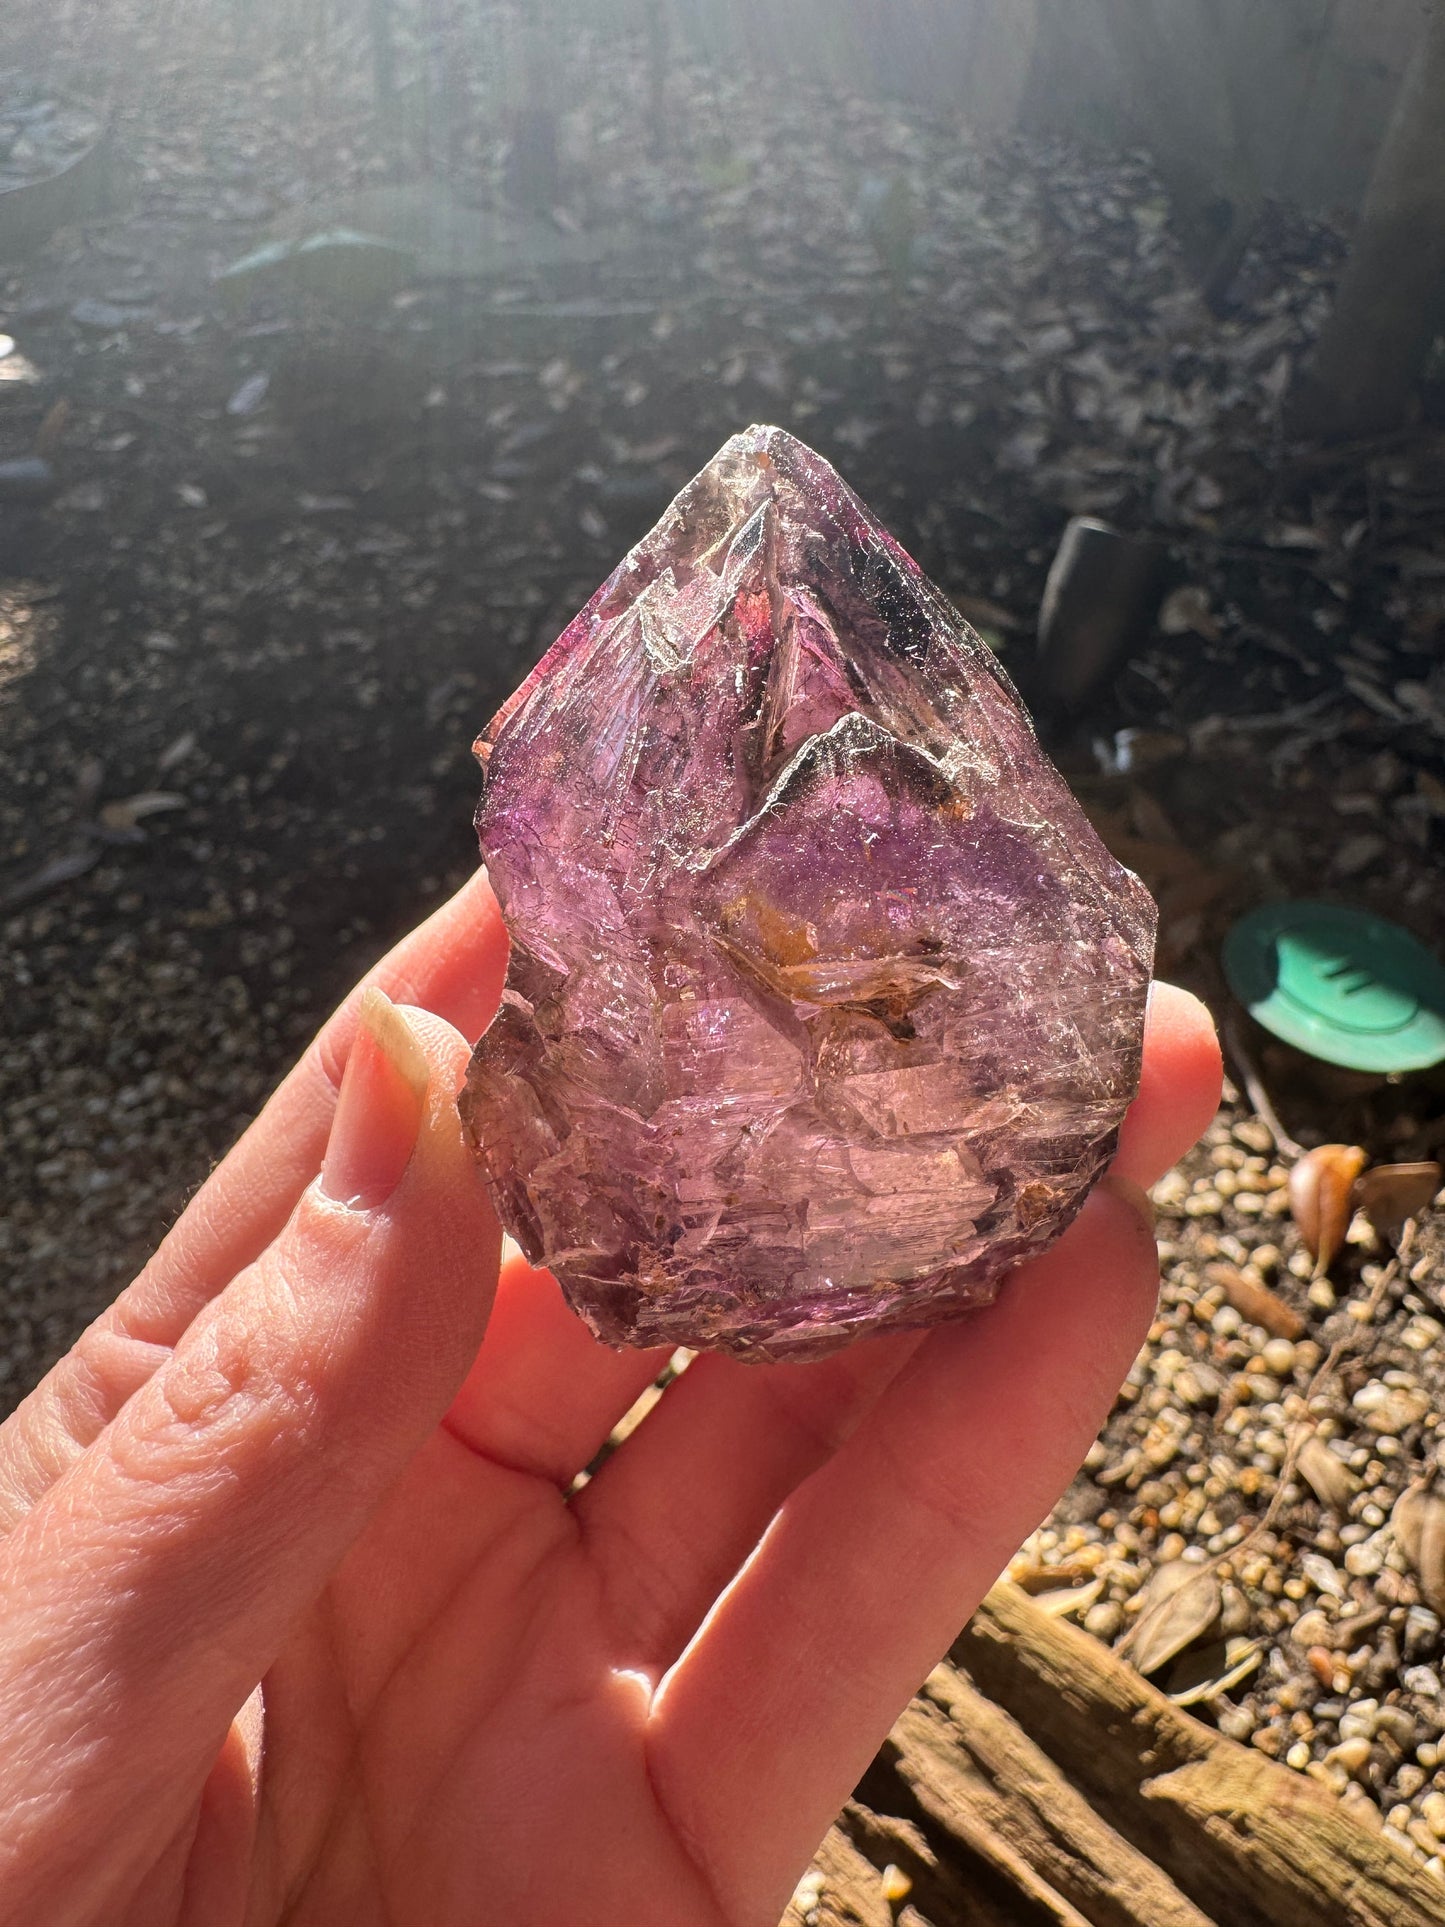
379,1109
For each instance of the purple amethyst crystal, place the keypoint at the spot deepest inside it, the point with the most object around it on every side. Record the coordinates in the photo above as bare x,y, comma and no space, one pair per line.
825,1000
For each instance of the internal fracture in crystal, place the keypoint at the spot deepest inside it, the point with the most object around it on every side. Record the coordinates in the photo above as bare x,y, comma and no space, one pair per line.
825,1000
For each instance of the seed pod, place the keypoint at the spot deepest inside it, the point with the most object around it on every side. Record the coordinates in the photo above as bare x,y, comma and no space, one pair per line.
1181,1604
1388,1194
1328,1477
1321,1198
1419,1525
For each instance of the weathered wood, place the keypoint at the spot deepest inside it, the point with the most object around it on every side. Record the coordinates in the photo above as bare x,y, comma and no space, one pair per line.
948,1887
933,1769
1249,1841
1272,1820
968,1762
850,1893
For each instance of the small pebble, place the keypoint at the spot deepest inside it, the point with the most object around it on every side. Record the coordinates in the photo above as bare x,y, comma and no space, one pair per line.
1353,1755
809,1891
1398,1724
1421,1334
1365,1559
1391,1409
1358,1722
1104,1619
1311,1629
1236,1722
896,1884
1422,1632
1279,1357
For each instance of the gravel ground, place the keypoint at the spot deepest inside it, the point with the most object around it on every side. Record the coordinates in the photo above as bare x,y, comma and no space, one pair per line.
1316,1644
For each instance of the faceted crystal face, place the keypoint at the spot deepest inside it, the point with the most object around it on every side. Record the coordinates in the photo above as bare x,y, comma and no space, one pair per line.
825,1001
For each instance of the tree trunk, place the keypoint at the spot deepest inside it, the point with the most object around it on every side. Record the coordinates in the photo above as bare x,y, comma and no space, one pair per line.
1391,299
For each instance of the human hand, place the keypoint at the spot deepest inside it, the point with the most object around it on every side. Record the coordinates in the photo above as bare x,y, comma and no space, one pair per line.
299,1621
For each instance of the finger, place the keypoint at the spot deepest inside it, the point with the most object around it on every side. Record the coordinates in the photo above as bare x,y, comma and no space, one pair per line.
871,1567
670,1518
543,1394
219,1850
453,965
151,1587
1178,1086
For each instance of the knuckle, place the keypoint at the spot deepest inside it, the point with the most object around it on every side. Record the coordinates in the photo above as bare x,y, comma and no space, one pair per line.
222,1376
239,1383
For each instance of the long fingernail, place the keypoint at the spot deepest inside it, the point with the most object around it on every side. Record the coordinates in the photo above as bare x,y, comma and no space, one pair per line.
379,1109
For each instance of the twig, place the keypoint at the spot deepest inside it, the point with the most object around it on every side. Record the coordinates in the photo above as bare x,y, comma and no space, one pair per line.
1255,1091
1349,1341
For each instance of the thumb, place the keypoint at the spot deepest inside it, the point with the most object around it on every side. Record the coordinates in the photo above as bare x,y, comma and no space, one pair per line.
153,1585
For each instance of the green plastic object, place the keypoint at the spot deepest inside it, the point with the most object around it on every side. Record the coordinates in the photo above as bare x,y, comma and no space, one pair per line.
1343,985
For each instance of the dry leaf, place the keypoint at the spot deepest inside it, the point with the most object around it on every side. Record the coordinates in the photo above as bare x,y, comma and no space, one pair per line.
60,869
1187,612
128,811
89,776
1321,1198
1066,1600
176,751
1327,1475
1229,1664
1390,1193
1419,1526
51,431
1035,1578
1181,1603
1257,1303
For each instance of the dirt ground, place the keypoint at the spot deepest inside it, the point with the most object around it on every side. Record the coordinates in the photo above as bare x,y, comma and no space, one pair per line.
301,546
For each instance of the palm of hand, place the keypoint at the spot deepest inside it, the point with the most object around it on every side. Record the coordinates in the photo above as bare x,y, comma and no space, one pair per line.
476,1750
484,1696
